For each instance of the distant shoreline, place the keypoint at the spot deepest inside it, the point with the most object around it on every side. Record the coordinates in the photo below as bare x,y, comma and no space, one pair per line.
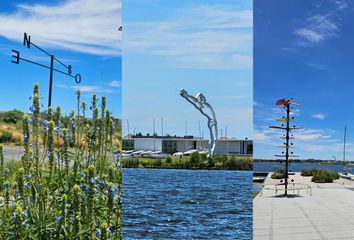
304,161
171,168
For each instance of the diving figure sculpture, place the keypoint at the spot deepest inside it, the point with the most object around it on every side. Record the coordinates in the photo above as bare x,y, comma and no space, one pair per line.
200,103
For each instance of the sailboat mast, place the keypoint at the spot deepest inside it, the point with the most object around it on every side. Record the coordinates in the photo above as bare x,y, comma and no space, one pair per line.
345,136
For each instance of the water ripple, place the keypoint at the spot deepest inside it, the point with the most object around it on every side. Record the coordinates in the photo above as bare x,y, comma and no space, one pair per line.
184,204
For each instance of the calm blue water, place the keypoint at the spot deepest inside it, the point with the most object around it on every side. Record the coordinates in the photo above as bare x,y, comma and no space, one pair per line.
295,167
186,204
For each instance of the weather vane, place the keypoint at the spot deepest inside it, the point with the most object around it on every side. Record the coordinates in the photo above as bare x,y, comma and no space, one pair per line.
27,43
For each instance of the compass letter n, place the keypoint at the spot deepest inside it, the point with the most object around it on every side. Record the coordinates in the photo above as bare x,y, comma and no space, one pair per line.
27,40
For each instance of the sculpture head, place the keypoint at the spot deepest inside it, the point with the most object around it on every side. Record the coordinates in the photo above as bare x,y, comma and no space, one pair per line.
201,98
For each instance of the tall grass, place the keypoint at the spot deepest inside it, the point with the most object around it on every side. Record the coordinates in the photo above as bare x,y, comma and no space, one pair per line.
68,184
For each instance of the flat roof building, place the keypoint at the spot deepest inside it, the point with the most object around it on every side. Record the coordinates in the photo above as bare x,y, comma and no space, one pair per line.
173,144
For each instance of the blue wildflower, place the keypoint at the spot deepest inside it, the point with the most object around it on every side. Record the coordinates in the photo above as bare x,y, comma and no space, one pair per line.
98,232
82,174
25,224
25,138
25,213
114,190
65,211
29,176
92,181
109,231
32,198
58,219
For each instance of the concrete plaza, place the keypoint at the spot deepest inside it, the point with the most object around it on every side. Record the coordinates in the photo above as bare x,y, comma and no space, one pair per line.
326,214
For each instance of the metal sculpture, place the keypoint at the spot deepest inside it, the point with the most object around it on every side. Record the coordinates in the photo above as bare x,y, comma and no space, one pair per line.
28,43
200,103
287,136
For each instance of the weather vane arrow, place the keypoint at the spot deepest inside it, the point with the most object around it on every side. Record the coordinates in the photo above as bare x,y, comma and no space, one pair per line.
28,43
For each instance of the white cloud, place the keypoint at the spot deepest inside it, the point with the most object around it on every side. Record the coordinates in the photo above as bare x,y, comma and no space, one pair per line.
318,29
309,35
319,116
214,36
88,88
319,66
115,83
76,25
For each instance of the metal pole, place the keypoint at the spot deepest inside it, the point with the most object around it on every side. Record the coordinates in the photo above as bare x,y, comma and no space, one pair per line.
128,125
51,80
345,136
161,126
287,148
185,126
200,136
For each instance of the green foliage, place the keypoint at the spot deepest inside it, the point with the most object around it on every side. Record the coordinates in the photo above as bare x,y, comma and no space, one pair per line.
320,175
278,174
195,158
58,192
168,159
238,164
5,136
11,116
191,162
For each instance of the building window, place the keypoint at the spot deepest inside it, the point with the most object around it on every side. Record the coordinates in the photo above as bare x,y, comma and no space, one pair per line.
128,144
249,148
169,146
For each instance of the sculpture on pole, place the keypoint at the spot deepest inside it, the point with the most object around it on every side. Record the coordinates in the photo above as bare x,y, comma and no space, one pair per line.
285,126
200,103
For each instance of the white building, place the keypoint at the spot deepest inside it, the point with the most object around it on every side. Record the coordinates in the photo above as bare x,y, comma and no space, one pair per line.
175,144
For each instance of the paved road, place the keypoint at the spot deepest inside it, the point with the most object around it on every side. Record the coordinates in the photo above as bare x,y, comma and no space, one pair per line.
12,153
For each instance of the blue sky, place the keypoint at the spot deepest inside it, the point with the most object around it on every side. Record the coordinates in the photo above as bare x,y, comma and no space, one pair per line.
304,50
78,32
201,46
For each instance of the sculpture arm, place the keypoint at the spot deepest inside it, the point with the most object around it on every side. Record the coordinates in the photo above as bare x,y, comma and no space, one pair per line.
191,99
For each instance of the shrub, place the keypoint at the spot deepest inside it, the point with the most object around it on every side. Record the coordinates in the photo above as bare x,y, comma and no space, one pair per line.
168,159
203,156
278,174
5,136
210,163
307,172
16,137
194,158
324,176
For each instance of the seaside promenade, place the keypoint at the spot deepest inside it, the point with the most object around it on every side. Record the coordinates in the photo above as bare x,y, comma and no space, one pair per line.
326,214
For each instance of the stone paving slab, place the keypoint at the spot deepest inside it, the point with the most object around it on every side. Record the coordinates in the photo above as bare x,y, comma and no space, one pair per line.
326,214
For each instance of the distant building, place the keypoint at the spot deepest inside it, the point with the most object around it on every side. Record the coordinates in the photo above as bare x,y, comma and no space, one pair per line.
173,144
